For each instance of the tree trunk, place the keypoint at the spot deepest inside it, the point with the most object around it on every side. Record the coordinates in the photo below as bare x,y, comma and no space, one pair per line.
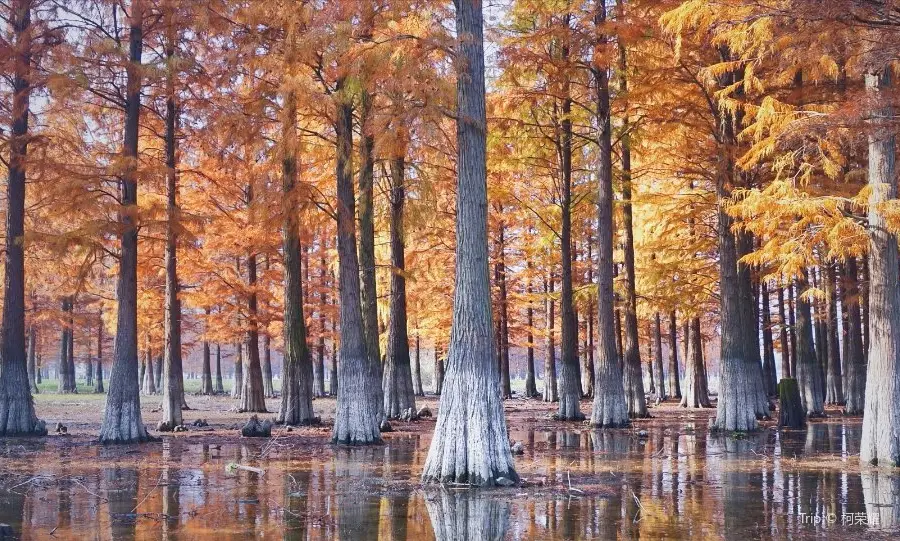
438,372
587,373
650,372
268,386
70,373
820,335
417,369
319,367
98,379
32,346
696,392
470,442
749,309
206,382
63,368
253,398
881,421
786,370
238,370
173,376
550,388
17,415
503,319
359,400
122,421
530,384
219,388
367,290
89,366
834,380
609,408
149,387
398,380
658,358
808,375
791,414
856,359
332,372
674,377
770,378
792,333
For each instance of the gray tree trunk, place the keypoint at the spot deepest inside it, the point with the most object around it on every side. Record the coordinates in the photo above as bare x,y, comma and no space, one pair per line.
503,316
783,337
770,378
238,370
881,420
856,359
149,384
206,381
122,421
674,377
550,388
32,347
417,369
530,383
319,366
834,380
470,442
366,217
399,395
359,400
98,379
658,358
609,408
17,415
695,393
219,388
808,375
253,398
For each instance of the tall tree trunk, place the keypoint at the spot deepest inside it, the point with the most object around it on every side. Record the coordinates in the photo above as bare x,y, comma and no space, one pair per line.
32,347
786,371
674,377
359,400
530,383
89,365
856,359
749,309
609,408
769,376
332,371
122,421
503,316
417,369
696,392
98,380
17,415
633,378
820,333
650,372
149,387
206,382
238,370
470,442
834,380
438,372
173,376
268,386
319,366
550,389
792,332
253,396
808,375
398,381
64,379
658,358
587,372
367,291
219,388
881,421
70,372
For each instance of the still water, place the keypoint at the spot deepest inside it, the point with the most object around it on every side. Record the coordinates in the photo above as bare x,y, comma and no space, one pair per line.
676,482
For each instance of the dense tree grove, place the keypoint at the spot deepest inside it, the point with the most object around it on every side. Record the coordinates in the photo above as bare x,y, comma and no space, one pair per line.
686,198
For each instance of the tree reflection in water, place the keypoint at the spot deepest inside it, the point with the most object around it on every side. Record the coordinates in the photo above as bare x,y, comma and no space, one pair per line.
467,515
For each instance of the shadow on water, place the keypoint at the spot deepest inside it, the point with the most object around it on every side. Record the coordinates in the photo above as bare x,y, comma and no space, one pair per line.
665,482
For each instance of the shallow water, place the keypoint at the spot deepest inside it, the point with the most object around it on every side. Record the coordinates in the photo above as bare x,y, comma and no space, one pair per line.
677,482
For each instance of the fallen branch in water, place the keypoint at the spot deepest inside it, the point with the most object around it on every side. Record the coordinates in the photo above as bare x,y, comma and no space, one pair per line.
231,466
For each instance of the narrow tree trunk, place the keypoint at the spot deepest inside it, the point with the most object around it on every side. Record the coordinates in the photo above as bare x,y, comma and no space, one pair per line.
98,380
149,375
749,310
808,375
587,373
820,335
530,384
268,386
173,376
550,388
792,333
206,382
658,358
219,388
122,421
238,370
63,368
253,398
399,397
674,377
332,371
695,393
881,421
71,384
769,376
359,400
609,408
470,442
786,370
834,380
32,346
438,372
417,369
319,367
17,415
650,374
856,359
367,291
89,365
503,319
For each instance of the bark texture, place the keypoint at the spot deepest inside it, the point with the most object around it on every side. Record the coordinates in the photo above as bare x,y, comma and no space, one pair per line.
856,359
550,388
695,393
834,377
470,443
658,359
809,376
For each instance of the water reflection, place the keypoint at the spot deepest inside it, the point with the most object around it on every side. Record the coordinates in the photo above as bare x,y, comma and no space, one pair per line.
673,482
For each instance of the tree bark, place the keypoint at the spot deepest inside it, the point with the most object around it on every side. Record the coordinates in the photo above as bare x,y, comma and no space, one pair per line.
808,375
438,372
367,291
695,393
881,421
359,400
122,421
658,358
98,379
149,387
834,380
32,346
253,398
792,333
770,378
786,371
206,382
609,408
17,415
238,370
503,316
674,377
319,366
173,376
856,359
399,396
550,388
417,369
470,442
219,387
587,373
530,384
